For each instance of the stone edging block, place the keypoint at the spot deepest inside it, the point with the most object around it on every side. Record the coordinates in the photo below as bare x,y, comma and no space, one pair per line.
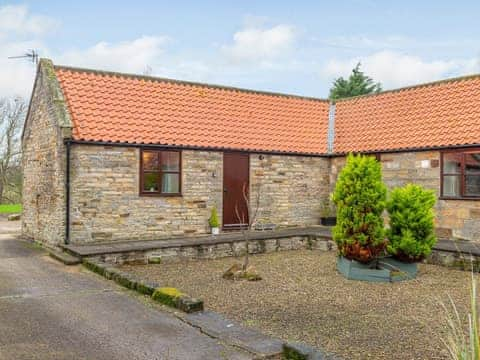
167,296
297,351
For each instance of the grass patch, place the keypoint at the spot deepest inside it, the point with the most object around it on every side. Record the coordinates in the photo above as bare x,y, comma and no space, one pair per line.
10,208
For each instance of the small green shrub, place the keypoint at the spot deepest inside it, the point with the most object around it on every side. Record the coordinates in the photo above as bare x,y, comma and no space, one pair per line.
213,221
411,232
360,198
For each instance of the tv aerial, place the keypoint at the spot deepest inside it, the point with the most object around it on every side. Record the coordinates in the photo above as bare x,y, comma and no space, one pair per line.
31,55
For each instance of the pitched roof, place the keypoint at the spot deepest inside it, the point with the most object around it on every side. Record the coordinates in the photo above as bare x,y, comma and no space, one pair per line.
115,107
440,114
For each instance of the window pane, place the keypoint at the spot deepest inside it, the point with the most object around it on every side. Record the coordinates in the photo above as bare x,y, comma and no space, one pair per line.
472,163
451,186
150,182
472,185
452,163
170,160
150,160
171,183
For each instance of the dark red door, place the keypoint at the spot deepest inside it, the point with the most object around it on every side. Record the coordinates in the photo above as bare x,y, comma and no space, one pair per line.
235,182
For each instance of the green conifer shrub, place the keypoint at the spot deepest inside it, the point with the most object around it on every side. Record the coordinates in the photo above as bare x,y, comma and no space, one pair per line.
213,221
360,198
411,232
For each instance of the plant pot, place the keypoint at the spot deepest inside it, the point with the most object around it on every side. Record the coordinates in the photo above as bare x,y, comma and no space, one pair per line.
381,270
215,230
328,221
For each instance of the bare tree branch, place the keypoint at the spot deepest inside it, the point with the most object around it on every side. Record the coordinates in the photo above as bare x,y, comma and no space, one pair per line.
12,116
252,213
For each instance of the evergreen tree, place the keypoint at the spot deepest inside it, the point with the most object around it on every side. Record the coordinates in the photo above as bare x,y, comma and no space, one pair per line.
357,84
360,197
411,232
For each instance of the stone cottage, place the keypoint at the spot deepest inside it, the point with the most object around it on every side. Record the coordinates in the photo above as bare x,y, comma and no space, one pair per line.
118,157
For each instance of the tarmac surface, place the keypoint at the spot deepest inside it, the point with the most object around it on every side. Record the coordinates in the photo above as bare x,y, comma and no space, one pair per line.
52,311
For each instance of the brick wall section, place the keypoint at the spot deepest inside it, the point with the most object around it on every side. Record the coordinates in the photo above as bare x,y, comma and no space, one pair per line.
454,218
292,188
105,201
43,164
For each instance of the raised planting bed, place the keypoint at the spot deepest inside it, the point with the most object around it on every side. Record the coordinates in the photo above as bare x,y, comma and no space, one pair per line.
384,270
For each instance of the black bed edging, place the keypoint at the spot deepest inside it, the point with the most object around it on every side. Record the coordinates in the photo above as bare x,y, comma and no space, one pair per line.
165,296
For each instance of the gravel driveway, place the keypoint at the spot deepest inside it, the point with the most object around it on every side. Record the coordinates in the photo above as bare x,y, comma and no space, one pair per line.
302,298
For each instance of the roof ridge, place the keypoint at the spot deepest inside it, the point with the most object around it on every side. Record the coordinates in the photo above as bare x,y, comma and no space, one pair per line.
261,92
416,86
186,82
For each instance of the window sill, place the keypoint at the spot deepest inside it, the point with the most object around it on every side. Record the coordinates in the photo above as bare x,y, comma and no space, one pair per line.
458,198
161,195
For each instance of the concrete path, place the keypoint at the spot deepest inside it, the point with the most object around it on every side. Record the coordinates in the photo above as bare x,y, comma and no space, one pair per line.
50,311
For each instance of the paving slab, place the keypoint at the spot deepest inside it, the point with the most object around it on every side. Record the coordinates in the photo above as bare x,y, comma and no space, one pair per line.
459,246
232,332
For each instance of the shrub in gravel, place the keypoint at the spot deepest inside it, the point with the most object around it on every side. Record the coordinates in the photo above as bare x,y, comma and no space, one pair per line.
360,198
411,232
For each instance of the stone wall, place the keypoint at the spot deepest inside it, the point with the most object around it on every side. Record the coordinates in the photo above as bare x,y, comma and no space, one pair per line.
454,218
43,164
292,188
106,205
105,200
219,250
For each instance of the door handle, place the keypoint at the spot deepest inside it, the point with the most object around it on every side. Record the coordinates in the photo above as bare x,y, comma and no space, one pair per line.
225,190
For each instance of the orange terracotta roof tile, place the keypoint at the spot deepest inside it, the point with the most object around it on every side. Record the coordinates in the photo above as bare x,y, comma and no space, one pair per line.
114,107
441,114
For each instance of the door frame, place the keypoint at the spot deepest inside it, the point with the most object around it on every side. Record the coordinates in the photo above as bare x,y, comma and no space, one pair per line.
247,154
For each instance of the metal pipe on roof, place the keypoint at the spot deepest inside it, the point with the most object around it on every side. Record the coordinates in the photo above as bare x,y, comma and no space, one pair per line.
331,127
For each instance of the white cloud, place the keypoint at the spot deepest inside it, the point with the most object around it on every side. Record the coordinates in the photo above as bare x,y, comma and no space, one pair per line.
259,44
20,31
260,55
17,19
16,75
129,56
394,69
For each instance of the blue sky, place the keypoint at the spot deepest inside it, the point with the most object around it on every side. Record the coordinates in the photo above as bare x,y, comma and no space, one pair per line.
292,47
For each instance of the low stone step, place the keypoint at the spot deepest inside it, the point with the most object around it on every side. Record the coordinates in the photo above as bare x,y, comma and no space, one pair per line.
14,217
123,247
65,258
